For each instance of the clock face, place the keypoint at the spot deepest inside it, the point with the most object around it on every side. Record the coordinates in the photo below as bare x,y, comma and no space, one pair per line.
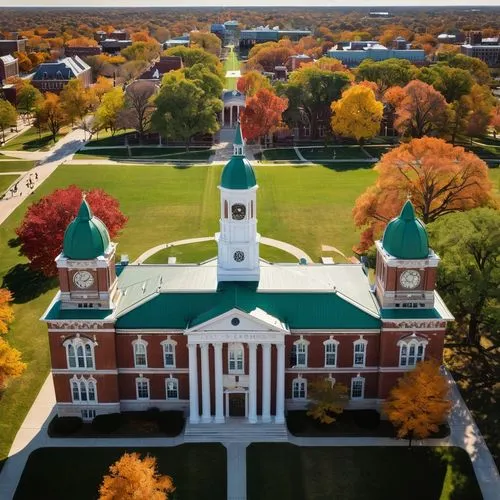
410,279
239,256
83,279
239,211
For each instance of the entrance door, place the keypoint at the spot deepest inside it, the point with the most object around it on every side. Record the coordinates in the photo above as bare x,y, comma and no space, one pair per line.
237,405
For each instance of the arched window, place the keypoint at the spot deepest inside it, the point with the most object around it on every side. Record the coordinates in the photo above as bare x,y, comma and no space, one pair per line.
142,387
83,390
299,353
331,352
236,358
80,353
359,355
299,388
140,353
169,353
172,388
411,351
357,387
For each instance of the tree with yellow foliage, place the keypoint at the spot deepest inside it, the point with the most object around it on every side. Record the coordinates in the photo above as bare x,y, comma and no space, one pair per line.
357,113
419,402
134,478
6,312
328,398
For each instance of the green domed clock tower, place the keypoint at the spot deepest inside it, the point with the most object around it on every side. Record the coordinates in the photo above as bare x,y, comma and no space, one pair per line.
86,265
406,266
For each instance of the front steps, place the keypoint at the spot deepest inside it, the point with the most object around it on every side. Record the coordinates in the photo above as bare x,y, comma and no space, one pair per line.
235,430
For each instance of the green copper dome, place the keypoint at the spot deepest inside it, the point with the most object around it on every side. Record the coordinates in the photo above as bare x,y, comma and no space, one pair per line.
405,236
238,138
86,237
238,174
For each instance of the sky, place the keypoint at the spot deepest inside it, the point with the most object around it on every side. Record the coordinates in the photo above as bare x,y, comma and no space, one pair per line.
246,3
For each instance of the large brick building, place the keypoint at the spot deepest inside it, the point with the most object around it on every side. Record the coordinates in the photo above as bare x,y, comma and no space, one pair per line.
9,67
236,335
53,76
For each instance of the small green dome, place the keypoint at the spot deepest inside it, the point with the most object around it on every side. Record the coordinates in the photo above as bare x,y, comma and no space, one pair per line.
86,237
238,174
405,236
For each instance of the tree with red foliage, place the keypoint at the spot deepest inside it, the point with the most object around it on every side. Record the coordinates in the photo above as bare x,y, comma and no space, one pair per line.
250,83
262,114
42,230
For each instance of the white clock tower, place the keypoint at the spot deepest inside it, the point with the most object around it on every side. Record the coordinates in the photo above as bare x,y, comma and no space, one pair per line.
238,240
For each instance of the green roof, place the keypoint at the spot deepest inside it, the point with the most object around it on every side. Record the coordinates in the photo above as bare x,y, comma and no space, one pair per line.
55,312
86,237
238,174
238,138
405,236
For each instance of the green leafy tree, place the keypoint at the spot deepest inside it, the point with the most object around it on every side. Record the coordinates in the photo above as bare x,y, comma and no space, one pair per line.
209,81
183,109
142,51
191,56
469,274
386,74
453,83
108,113
207,41
328,399
28,98
477,68
8,116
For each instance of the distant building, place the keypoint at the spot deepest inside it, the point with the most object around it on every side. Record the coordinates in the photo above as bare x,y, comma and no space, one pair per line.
119,35
8,67
52,77
113,46
262,34
179,41
219,30
446,38
486,49
356,52
82,51
8,92
159,68
10,46
280,73
380,14
49,34
295,62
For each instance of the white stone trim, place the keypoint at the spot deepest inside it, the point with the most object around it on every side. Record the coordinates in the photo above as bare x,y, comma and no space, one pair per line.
234,348
361,341
72,371
151,370
345,369
301,381
329,342
170,342
358,378
76,342
227,337
86,381
135,344
138,380
431,261
176,382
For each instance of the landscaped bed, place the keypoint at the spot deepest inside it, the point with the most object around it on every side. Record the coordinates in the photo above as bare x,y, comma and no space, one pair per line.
351,423
285,154
333,153
284,471
198,471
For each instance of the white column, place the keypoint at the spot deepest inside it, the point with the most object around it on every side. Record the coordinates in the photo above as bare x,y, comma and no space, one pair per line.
194,412
205,384
252,386
280,384
266,382
219,388
222,117
231,116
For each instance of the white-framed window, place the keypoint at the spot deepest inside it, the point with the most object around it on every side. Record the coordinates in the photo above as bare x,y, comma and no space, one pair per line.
331,346
307,131
172,388
142,388
169,353
88,414
357,387
83,390
235,358
80,353
299,353
140,353
411,351
359,352
299,388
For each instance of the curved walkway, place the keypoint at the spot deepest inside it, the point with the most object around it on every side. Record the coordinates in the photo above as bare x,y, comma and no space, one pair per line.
286,247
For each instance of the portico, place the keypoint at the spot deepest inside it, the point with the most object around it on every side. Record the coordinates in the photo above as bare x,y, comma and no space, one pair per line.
234,103
241,336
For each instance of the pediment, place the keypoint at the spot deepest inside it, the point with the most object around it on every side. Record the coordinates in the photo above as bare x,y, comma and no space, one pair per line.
236,320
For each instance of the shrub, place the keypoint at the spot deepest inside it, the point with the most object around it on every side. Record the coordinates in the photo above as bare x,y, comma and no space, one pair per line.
171,422
64,426
367,419
107,423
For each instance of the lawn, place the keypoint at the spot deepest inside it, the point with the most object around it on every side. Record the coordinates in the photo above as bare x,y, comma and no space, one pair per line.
376,151
284,154
166,153
231,64
106,138
333,153
16,166
32,141
289,472
198,471
6,181
199,252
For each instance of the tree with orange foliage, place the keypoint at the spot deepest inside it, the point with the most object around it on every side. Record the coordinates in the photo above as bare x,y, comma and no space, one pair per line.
50,114
421,111
262,114
133,478
24,62
208,41
250,83
81,41
268,57
439,177
328,398
495,119
419,402
6,311
329,64
101,87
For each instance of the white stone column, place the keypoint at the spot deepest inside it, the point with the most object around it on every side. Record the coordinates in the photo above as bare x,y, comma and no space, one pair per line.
280,384
266,382
194,412
252,386
205,384
219,387
231,116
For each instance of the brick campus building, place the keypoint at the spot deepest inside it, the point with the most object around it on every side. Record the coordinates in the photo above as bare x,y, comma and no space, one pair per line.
236,335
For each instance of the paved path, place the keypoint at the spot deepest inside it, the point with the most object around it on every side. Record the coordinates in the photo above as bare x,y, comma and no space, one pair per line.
236,471
48,162
286,247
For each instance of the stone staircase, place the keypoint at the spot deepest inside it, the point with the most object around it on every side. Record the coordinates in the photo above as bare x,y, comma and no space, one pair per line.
235,430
